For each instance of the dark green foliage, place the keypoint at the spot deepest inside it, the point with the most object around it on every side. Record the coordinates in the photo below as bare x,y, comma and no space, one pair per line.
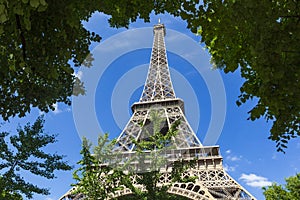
262,39
37,41
24,153
289,191
10,195
38,38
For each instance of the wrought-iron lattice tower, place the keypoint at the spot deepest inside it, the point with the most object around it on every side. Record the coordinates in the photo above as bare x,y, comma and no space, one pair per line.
212,181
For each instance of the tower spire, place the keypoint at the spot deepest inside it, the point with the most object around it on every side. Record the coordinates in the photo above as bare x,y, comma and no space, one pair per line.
158,85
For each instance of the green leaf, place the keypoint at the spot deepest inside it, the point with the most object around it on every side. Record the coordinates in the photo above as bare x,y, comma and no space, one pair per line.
42,8
12,67
18,10
43,2
3,18
27,23
34,3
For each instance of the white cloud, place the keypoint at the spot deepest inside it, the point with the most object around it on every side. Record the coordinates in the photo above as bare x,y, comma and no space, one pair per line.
233,158
78,74
56,110
49,198
254,180
228,168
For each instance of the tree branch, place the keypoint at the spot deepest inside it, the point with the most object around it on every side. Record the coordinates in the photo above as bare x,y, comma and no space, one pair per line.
23,41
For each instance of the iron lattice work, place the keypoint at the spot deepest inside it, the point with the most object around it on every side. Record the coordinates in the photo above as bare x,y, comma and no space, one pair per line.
212,181
139,124
158,94
158,85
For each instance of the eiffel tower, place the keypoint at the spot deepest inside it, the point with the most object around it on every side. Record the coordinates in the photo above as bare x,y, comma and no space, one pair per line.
212,181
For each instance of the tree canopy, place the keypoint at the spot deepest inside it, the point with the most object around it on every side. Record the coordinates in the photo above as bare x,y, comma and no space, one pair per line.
288,191
23,153
37,41
101,174
261,39
93,179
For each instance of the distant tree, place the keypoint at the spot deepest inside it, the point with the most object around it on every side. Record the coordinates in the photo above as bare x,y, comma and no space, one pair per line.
23,152
289,191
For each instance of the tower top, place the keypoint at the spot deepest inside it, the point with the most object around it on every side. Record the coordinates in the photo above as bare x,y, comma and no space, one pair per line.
158,85
159,27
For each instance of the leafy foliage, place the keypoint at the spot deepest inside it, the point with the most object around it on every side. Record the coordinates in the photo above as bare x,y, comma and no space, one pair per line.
98,177
27,155
262,39
259,38
94,179
164,197
38,38
37,41
290,191
157,143
10,195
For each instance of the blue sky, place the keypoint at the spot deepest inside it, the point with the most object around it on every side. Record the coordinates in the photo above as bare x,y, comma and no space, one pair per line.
249,157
